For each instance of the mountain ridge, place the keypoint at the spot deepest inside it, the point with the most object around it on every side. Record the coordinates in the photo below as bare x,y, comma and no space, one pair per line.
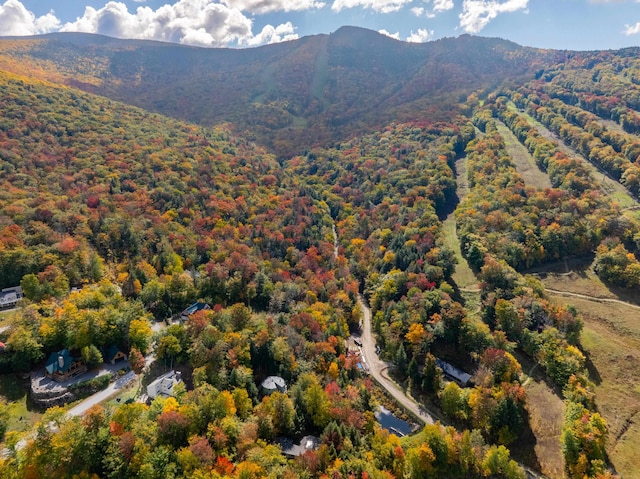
309,90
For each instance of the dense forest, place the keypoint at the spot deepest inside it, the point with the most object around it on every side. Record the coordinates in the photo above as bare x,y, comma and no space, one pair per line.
284,205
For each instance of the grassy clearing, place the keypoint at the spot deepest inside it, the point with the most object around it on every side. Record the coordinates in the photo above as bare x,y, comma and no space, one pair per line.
611,341
22,415
129,393
463,275
5,316
615,362
546,417
525,164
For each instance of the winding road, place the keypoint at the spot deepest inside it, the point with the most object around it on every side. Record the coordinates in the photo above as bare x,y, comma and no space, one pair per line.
377,367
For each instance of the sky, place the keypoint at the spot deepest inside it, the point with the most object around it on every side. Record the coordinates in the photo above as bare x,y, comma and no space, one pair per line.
559,24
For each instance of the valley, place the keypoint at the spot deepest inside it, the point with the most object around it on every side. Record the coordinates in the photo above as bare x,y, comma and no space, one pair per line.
468,205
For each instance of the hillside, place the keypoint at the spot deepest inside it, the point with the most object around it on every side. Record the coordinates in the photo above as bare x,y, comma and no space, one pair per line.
313,90
312,177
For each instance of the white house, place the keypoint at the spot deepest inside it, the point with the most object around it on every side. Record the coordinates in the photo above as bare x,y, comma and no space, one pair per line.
164,384
9,297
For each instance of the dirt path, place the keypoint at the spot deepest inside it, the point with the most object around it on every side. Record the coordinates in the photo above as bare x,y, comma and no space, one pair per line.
591,298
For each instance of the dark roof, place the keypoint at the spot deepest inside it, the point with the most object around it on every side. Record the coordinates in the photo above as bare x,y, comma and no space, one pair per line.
194,308
307,443
453,372
59,362
13,289
111,352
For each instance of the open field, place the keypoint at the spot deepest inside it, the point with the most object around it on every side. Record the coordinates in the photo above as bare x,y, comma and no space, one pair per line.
611,342
525,164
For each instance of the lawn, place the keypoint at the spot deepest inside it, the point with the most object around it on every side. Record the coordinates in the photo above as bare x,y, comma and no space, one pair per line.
22,414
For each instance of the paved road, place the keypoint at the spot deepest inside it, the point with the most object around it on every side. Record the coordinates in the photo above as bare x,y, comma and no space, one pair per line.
376,369
82,407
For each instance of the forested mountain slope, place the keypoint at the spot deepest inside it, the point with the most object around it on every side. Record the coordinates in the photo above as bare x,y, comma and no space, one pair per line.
311,90
311,172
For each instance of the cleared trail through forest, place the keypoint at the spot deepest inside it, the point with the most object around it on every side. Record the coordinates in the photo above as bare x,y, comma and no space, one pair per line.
608,185
463,276
525,163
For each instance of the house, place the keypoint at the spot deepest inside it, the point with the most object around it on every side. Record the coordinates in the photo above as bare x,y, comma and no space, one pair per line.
9,297
452,372
113,354
273,384
61,366
194,308
291,450
163,386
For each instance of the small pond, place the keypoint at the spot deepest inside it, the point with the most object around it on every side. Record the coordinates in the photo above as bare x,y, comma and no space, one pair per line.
393,424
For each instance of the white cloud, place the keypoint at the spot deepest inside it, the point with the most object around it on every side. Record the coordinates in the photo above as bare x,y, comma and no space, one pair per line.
476,14
442,5
191,22
421,36
15,19
269,34
438,7
396,35
266,6
632,29
382,6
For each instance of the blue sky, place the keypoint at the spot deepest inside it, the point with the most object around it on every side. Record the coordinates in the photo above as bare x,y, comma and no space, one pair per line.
561,24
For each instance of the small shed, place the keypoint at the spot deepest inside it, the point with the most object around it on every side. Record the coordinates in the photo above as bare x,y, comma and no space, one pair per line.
273,384
61,365
164,385
194,308
113,354
453,372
